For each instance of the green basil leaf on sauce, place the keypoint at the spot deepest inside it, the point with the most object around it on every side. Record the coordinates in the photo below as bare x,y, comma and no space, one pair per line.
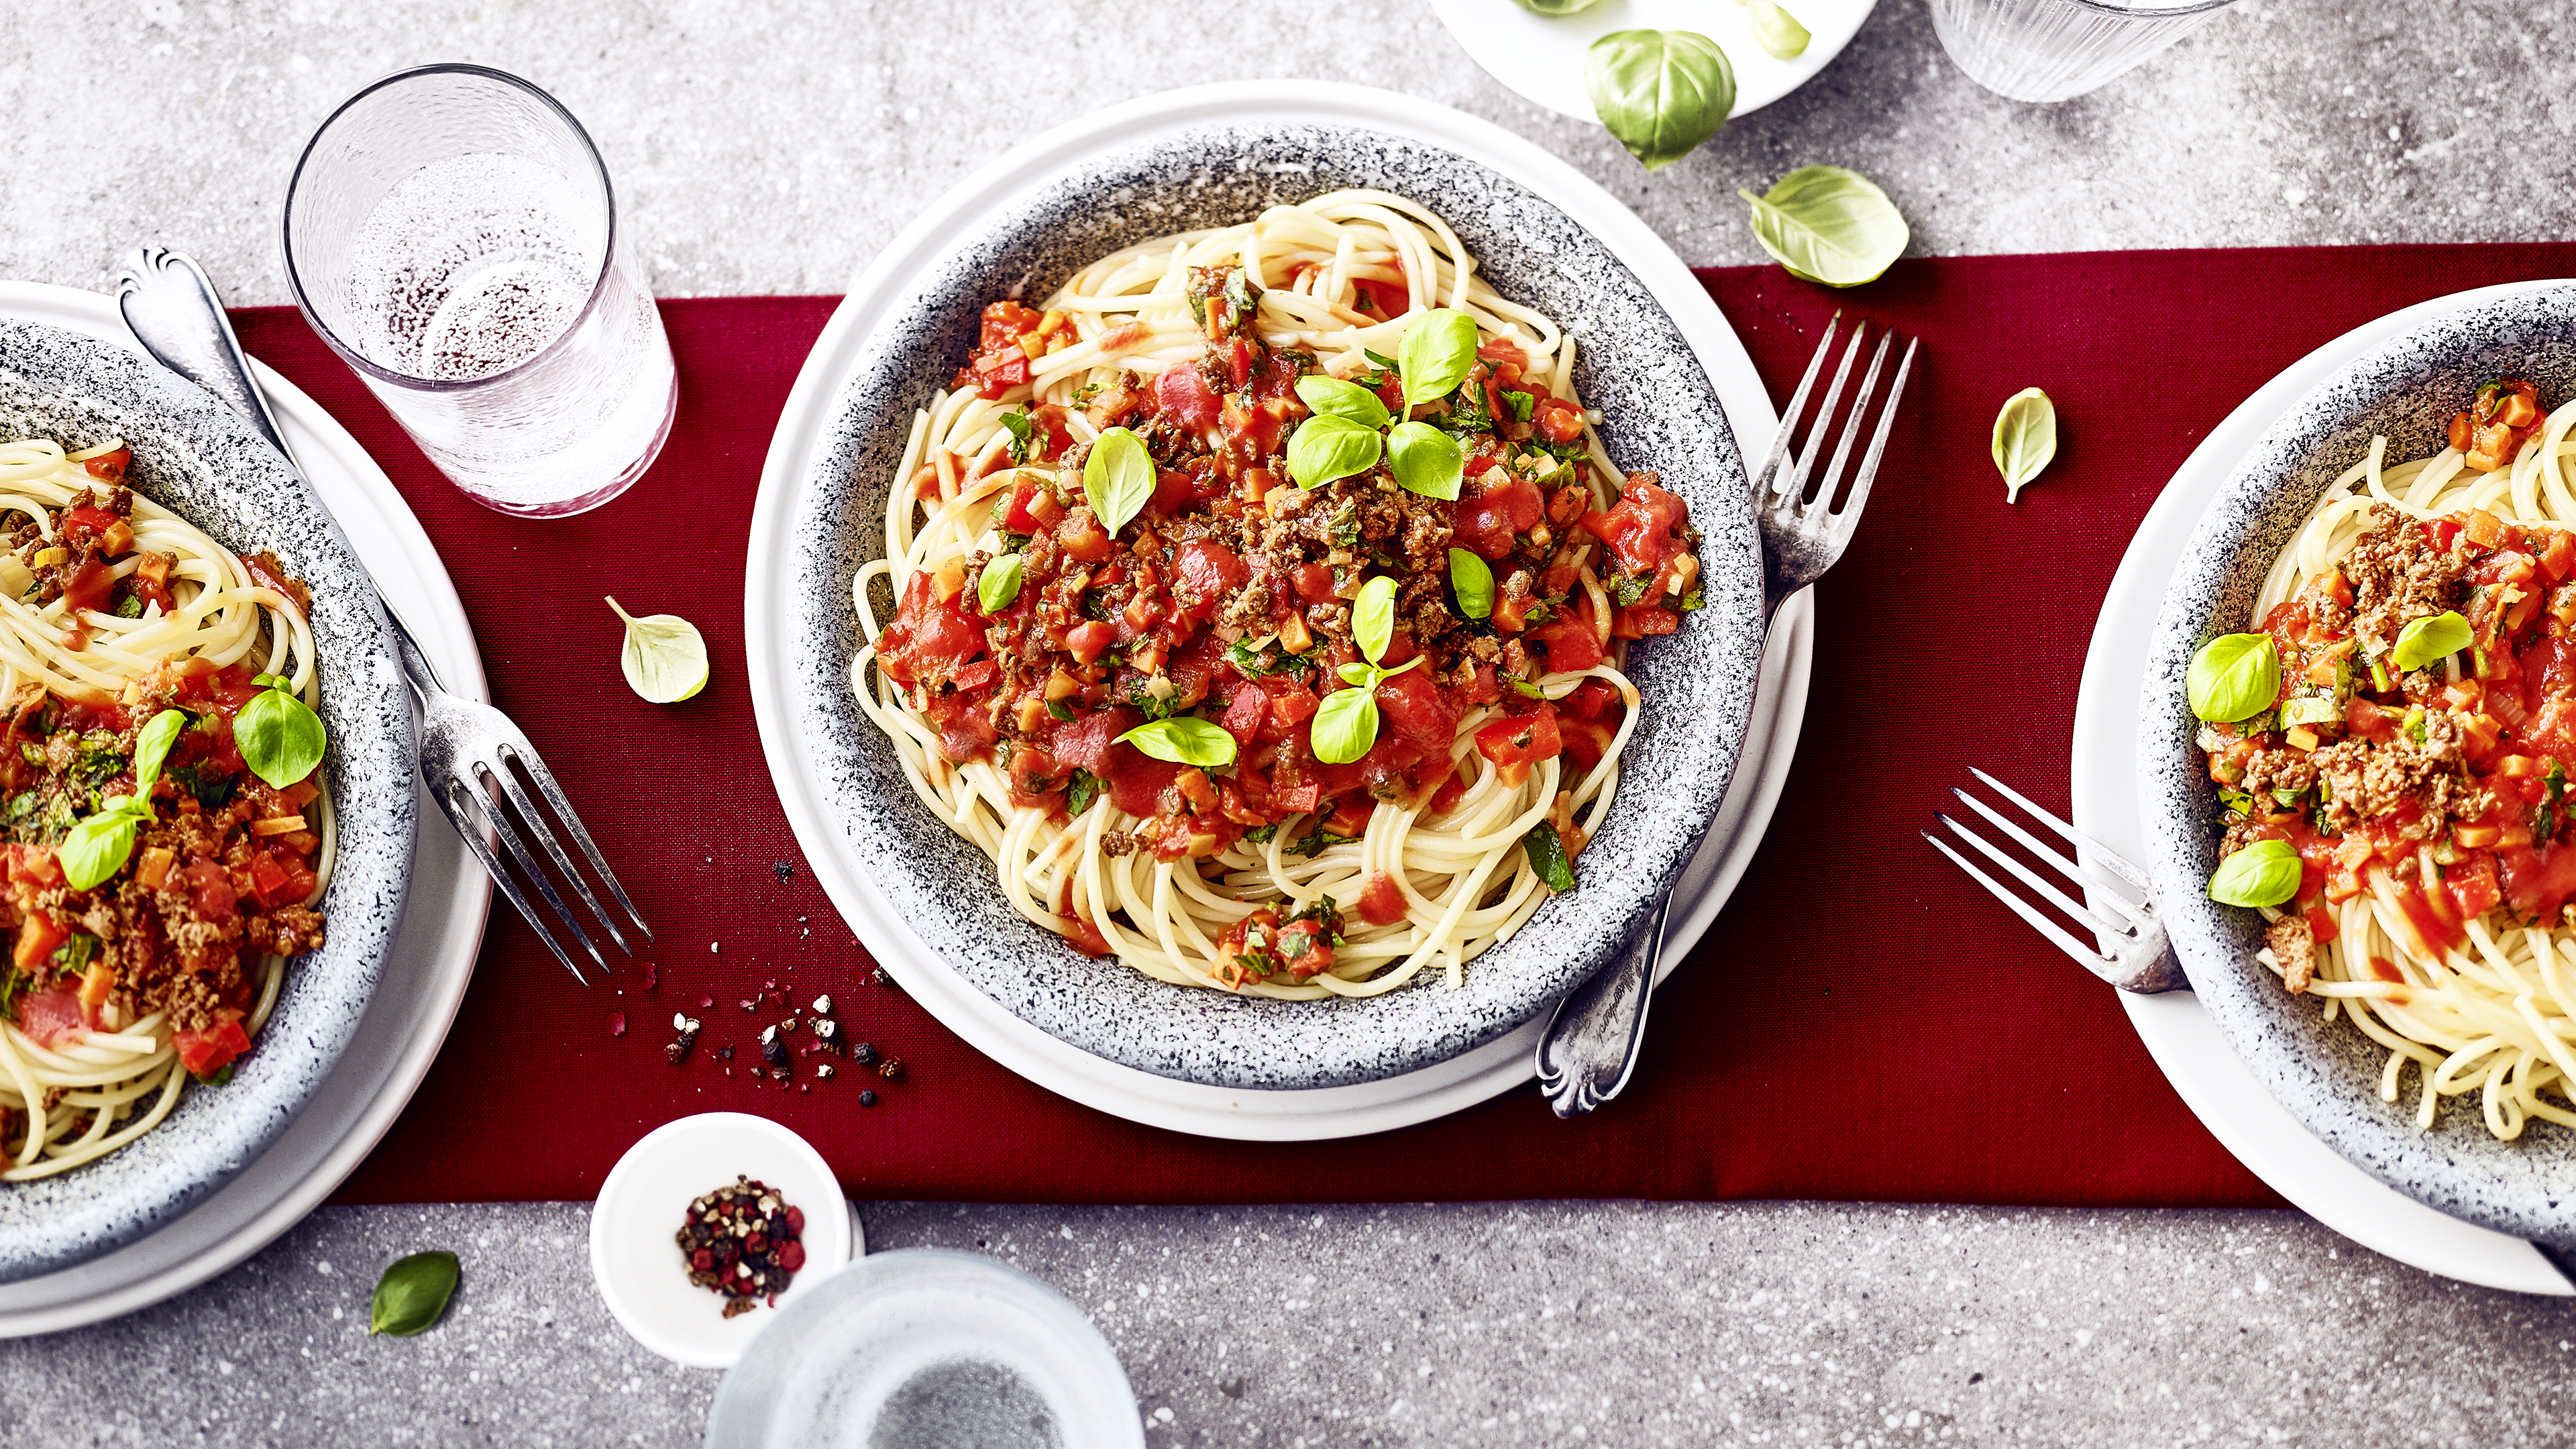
1438,349
98,847
1326,447
2430,639
1000,583
1345,725
1547,856
279,737
2025,439
1426,460
413,1294
1183,740
1024,432
1776,30
1356,673
1373,617
1081,791
2233,677
1117,478
1472,580
1661,92
1331,397
1829,226
2265,873
152,748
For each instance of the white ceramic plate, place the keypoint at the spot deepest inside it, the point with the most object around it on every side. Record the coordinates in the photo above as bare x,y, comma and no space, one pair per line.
2177,1031
1140,1096
1541,56
432,958
635,1261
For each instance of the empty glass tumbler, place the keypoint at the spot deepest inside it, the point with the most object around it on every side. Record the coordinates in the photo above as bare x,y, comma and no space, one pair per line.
2050,50
452,234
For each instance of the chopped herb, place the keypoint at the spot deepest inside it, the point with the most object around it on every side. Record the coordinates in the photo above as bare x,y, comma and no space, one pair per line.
1467,411
1301,360
1058,709
1384,362
1242,299
1083,395
130,608
1262,834
1269,659
213,790
1079,794
1547,856
1522,405
1694,600
101,756
2237,802
1318,842
1346,526
1629,588
1024,433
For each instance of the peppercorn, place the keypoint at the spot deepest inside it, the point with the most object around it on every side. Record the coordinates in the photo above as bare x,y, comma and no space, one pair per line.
823,1005
827,1031
891,1070
865,1054
772,1050
867,1099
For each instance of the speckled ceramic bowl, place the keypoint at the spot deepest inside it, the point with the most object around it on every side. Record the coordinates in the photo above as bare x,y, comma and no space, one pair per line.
1661,413
2328,1075
197,457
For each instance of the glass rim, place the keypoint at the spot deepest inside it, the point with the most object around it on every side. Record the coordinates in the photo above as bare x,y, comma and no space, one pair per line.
2127,10
350,355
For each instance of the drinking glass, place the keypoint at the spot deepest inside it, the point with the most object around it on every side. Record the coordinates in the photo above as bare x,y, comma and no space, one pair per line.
451,232
2049,50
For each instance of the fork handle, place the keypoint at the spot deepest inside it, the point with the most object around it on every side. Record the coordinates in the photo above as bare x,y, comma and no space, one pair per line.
1591,1042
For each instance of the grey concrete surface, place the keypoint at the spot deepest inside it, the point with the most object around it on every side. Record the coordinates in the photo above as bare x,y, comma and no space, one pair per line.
1537,1324
772,146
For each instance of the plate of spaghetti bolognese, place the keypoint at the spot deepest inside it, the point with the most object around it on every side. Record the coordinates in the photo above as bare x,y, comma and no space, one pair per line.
2351,760
1268,605
204,796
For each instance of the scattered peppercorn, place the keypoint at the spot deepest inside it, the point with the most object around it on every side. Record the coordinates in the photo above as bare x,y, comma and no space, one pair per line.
778,1074
823,1006
868,1098
744,1242
724,1054
827,1031
785,871
773,1051
891,1070
865,1054
823,1071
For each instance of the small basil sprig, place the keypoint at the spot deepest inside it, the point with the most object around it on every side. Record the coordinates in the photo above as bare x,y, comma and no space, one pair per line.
1117,478
1829,225
1661,92
1426,460
2265,873
279,737
1472,580
2429,639
413,1294
2233,677
1546,850
1345,724
1330,397
98,847
1000,583
1438,349
2025,439
1328,446
1776,30
1183,740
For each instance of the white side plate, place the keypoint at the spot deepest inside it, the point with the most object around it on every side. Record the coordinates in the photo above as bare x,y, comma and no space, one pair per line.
1541,56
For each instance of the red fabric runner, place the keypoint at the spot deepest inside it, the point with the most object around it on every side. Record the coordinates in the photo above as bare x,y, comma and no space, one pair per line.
1861,1023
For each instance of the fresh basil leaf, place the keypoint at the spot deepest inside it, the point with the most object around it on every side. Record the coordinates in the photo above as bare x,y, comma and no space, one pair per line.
1426,460
2265,873
1079,794
1373,617
2429,639
279,738
1326,447
152,747
1317,841
1472,580
1261,834
1023,430
1547,856
1000,583
98,847
1117,478
1522,404
413,1293
1345,725
1829,226
1776,30
1438,349
2025,439
1332,397
2233,677
1384,362
1661,92
1357,674
1183,740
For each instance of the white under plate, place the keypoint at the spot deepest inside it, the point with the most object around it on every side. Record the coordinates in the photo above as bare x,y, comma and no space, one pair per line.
2177,1031
1463,1080
433,956
1541,56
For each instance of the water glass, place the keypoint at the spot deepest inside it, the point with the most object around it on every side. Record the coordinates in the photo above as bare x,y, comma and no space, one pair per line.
2049,50
451,233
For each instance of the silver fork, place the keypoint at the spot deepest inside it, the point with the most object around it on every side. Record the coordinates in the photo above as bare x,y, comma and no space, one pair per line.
2131,951
1591,1043
465,747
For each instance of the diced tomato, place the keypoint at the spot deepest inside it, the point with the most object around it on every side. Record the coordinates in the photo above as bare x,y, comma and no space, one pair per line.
1033,507
110,466
50,1018
1209,573
965,729
86,522
210,1049
1504,503
1560,422
267,881
1382,901
1516,742
1415,711
931,636
1643,529
1571,645
1637,621
1184,397
1082,537
2473,884
1245,712
38,938
1088,640
212,886
89,586
1313,582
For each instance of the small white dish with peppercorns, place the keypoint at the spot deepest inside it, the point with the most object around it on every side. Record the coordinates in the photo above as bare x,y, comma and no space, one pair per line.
709,1222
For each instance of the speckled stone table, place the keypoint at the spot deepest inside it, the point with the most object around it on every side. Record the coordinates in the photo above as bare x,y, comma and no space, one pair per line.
771,146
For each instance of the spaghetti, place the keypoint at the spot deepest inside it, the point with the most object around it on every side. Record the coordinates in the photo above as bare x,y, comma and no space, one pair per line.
1259,604
2405,785
156,880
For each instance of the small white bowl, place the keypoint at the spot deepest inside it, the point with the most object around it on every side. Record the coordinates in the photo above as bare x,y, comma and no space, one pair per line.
633,1253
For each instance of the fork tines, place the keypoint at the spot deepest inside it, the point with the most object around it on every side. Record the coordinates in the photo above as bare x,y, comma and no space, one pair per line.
2121,923
477,784
1772,487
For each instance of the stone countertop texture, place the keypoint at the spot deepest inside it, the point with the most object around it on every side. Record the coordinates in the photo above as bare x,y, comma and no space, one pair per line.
772,146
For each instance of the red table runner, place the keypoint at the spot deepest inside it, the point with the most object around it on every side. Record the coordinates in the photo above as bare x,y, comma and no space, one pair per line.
1860,1023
